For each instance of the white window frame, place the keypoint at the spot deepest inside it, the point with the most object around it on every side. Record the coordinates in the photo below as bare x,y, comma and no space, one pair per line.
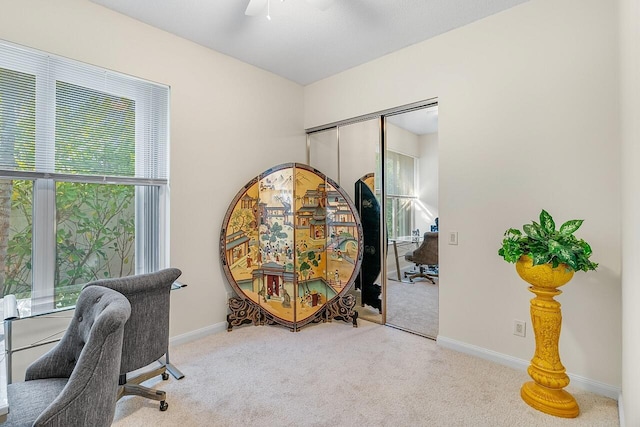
151,226
412,198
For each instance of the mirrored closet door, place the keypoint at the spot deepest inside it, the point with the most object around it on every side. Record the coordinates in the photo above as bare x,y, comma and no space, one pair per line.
388,164
411,217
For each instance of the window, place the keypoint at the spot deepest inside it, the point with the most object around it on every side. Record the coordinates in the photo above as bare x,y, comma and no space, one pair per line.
83,175
401,194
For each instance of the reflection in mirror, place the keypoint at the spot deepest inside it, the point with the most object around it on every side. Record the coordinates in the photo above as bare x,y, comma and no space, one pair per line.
360,158
346,154
323,152
411,215
368,280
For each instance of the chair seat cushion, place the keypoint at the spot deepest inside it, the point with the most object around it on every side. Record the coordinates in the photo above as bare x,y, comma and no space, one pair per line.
28,399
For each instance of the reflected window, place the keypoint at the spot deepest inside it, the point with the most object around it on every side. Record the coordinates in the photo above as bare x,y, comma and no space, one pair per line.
401,194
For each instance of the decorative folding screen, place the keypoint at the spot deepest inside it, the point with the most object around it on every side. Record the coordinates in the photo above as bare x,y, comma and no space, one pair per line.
291,247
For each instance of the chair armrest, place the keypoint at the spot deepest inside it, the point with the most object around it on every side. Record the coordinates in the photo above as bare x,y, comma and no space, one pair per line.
55,363
92,384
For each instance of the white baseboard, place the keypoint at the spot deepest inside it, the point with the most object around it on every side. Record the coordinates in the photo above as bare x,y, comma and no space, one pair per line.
198,333
621,411
593,386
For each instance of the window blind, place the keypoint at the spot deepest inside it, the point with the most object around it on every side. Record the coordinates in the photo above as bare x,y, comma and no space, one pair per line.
400,174
67,120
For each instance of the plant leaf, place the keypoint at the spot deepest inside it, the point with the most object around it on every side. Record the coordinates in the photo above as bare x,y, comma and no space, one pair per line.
513,231
539,258
570,227
547,223
554,247
532,231
510,251
572,262
586,248
565,255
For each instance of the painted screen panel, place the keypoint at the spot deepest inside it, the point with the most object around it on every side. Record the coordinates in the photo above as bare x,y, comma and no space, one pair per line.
275,277
311,225
242,249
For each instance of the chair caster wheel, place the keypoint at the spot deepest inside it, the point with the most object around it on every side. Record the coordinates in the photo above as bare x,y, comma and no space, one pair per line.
163,406
165,376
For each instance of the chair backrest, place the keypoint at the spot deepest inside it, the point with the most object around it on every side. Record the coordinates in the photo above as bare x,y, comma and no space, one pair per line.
90,352
146,335
427,253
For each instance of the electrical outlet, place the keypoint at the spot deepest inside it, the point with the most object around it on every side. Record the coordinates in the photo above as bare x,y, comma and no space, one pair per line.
519,328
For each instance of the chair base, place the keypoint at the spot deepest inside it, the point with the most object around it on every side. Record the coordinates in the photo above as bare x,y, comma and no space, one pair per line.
421,272
132,387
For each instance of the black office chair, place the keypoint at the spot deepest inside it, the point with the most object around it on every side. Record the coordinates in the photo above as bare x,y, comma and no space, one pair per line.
146,334
75,383
425,258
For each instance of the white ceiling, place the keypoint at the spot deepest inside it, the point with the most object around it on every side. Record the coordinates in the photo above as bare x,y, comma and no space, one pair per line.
418,122
301,42
305,44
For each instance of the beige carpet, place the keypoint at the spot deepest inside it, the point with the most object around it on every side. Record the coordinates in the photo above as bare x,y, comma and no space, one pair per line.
332,374
413,306
410,306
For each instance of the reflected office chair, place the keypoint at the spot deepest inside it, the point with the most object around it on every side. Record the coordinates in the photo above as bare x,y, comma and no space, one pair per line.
146,334
75,383
424,257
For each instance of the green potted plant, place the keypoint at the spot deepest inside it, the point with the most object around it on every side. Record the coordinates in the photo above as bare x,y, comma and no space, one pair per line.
546,245
546,258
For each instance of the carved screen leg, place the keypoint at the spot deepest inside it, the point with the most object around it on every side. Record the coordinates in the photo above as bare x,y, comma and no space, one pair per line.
342,309
242,312
268,319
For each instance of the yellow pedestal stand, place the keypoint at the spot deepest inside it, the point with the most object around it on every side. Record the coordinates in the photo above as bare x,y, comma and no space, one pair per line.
545,393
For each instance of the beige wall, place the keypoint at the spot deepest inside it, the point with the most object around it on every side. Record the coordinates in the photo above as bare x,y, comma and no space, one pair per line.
359,145
229,122
428,167
630,90
402,141
528,119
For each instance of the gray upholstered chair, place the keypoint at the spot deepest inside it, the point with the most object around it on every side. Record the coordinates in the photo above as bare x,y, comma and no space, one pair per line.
146,334
75,383
426,255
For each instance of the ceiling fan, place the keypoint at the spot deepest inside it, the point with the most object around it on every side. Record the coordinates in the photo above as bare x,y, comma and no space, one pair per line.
255,7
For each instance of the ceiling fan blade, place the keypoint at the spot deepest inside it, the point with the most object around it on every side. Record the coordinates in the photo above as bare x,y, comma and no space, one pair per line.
321,4
255,7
